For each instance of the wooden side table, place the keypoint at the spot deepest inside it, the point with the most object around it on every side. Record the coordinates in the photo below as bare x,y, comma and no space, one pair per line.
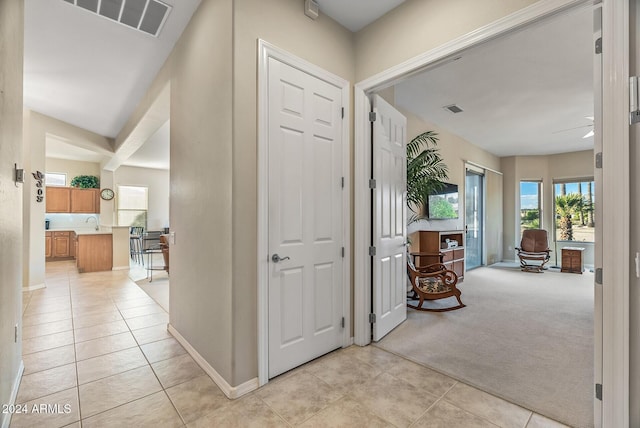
572,261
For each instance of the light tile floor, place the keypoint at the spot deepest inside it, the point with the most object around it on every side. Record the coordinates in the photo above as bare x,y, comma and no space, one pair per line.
97,344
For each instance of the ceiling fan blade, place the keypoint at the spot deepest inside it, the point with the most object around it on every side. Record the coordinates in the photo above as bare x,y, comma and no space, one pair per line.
571,129
589,134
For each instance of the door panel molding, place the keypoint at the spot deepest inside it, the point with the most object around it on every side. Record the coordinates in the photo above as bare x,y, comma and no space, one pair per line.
267,51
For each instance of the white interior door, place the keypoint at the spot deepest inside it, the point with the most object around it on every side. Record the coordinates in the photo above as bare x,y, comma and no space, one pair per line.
597,148
389,218
305,217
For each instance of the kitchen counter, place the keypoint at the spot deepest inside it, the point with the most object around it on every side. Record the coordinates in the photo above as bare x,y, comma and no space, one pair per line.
92,232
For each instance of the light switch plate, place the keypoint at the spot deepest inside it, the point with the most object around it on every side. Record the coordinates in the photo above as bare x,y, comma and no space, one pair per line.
172,238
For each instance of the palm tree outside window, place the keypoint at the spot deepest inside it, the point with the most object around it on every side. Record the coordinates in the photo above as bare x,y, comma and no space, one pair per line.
574,210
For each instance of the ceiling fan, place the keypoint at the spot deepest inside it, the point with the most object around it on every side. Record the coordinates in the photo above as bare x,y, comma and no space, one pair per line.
588,134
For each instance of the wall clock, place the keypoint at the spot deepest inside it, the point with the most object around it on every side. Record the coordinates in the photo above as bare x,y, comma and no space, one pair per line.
107,194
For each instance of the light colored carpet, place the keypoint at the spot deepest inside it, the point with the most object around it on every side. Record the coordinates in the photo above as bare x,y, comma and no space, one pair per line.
525,337
158,289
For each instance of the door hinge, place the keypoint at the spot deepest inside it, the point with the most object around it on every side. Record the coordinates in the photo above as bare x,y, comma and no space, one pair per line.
599,45
372,183
634,95
342,182
372,318
342,323
599,276
372,251
599,160
342,113
372,116
599,391
343,252
15,334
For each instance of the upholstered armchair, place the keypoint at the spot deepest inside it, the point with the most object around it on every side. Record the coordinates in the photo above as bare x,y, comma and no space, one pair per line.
534,250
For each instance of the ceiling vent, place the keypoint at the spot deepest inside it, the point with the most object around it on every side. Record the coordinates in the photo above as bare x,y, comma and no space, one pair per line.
147,16
453,108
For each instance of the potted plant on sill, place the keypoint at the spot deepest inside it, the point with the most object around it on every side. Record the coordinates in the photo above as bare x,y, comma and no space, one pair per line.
86,182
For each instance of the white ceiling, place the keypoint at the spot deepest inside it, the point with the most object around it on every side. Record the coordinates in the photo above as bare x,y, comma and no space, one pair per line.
520,94
154,153
356,14
517,92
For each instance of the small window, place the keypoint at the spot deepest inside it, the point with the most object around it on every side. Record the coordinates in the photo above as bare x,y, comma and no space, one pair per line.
530,205
55,179
133,202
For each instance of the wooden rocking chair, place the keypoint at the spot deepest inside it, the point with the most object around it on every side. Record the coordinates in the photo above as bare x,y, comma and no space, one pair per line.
433,282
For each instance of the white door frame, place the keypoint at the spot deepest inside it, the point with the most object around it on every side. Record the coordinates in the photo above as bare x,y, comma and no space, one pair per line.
266,51
615,174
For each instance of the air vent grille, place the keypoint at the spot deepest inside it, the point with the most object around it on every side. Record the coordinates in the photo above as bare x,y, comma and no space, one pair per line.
453,108
147,16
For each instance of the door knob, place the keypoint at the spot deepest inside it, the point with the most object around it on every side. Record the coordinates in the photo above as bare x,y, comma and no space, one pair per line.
276,258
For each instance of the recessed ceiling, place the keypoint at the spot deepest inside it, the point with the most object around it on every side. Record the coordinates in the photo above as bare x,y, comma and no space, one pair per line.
528,93
90,71
356,14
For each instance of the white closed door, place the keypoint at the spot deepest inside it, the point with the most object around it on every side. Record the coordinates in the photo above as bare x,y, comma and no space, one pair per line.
305,217
389,218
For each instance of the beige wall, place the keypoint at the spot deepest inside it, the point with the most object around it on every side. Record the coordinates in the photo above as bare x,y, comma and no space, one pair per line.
455,151
322,42
157,181
417,26
11,48
545,168
72,168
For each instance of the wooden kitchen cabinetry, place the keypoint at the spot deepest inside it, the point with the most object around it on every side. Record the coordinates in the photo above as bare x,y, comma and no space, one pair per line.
58,245
58,199
72,200
47,245
430,246
85,201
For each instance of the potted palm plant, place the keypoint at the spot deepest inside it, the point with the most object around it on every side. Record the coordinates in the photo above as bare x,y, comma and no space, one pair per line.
426,171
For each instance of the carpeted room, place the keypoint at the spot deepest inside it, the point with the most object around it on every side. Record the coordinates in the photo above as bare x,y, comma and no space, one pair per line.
525,337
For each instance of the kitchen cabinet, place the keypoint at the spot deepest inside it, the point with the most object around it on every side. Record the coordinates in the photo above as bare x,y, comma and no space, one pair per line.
58,199
47,245
72,200
58,245
61,244
85,200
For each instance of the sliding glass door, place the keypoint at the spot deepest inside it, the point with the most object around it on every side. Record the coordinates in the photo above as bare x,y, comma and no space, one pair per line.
474,218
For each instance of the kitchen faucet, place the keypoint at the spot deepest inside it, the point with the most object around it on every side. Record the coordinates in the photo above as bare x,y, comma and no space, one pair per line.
93,217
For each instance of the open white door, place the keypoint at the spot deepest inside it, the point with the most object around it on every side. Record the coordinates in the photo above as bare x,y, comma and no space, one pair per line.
389,218
305,217
597,177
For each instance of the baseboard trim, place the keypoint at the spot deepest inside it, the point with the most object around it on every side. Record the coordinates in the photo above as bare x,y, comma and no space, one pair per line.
121,267
6,417
231,392
34,287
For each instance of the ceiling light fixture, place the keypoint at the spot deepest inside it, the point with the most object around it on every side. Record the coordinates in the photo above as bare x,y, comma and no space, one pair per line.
147,16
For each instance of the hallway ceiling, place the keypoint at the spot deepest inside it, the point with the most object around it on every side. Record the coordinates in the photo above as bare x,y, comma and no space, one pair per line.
516,92
90,71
